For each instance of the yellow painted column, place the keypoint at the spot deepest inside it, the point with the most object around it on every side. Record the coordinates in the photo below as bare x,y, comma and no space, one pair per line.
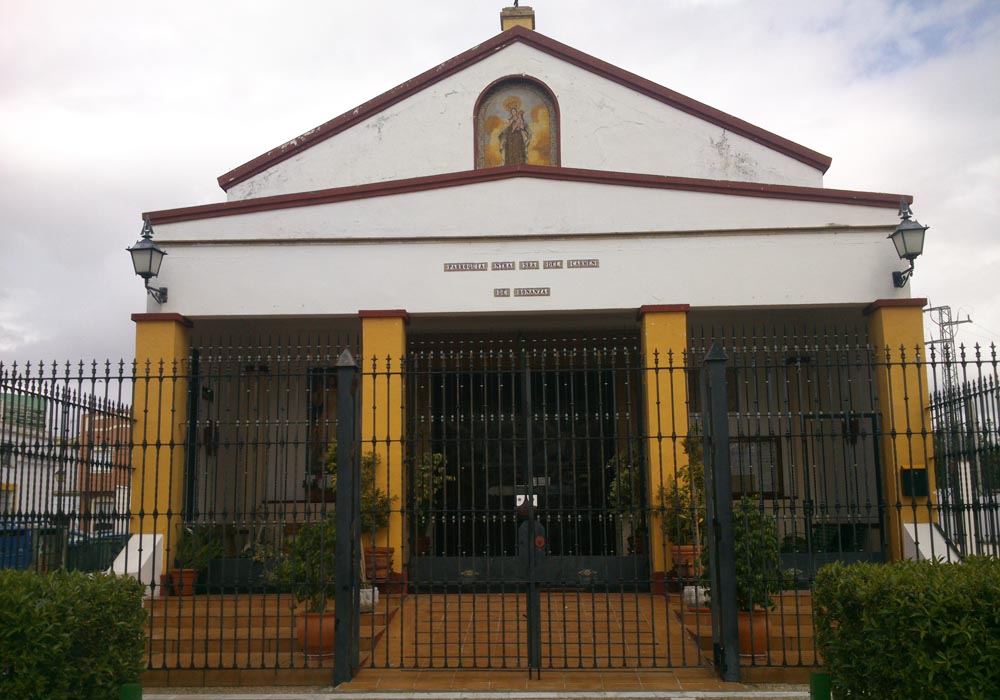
896,329
383,345
160,412
664,348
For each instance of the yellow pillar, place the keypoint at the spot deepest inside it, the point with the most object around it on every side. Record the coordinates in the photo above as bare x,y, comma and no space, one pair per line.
383,345
162,345
896,330
664,347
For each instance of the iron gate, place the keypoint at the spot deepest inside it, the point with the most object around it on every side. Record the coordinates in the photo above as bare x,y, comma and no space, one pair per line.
528,507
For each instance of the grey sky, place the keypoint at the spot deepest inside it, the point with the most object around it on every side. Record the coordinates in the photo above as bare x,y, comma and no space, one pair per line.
108,109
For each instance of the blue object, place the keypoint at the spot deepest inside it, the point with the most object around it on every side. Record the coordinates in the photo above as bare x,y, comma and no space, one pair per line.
15,547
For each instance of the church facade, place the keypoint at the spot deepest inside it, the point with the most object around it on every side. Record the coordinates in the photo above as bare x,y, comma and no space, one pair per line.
529,252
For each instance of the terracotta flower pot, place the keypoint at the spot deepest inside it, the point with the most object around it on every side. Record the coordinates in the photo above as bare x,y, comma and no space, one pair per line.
166,585
315,633
378,563
754,633
687,561
182,581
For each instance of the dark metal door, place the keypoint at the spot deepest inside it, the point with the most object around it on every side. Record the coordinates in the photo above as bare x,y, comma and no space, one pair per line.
534,433
539,506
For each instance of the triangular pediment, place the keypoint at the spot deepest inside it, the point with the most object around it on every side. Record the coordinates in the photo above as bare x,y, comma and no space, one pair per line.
381,140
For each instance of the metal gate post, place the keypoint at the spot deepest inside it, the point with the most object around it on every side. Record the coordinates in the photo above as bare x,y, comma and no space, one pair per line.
348,545
533,606
190,470
723,568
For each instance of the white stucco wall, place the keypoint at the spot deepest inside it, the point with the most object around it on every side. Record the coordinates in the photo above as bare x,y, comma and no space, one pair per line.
704,271
604,126
652,246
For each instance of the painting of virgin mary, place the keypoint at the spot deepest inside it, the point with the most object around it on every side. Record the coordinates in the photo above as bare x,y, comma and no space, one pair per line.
516,136
515,126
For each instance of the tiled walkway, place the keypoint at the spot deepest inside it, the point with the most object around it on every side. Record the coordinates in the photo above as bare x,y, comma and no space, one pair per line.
579,630
590,641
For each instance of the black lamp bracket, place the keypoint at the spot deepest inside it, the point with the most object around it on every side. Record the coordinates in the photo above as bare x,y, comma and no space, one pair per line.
159,294
899,279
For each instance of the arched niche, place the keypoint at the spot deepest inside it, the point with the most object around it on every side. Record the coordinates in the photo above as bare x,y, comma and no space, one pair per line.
517,123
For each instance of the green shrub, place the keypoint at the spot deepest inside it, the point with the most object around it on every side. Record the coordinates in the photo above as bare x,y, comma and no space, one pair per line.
757,562
910,630
69,635
376,504
309,567
198,545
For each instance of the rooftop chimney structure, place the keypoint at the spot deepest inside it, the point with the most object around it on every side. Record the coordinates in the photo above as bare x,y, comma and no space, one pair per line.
517,17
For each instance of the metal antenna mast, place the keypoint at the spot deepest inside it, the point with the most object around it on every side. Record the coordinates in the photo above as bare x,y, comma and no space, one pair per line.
958,416
941,316
950,410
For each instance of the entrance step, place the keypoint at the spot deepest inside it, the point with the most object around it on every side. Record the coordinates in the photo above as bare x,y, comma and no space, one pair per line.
252,636
791,630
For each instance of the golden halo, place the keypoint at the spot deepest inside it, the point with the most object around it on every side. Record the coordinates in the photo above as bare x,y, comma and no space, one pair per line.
512,102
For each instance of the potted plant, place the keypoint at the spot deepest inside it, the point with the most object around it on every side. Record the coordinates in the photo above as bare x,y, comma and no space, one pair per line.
376,506
758,572
196,546
247,549
307,568
683,505
429,477
625,497
321,485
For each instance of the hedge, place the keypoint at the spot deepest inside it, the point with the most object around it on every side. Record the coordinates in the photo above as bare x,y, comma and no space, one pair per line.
910,630
69,635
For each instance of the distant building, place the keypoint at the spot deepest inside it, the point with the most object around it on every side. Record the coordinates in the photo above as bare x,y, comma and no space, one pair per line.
30,477
104,471
63,460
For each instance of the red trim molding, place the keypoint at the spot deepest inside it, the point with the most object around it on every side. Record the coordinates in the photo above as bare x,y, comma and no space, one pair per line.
894,303
662,308
546,45
471,177
177,318
385,313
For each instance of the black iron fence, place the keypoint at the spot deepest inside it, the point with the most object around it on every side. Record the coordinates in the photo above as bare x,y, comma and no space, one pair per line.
965,410
794,480
65,464
530,503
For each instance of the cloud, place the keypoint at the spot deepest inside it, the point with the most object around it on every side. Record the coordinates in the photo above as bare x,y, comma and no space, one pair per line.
121,107
15,320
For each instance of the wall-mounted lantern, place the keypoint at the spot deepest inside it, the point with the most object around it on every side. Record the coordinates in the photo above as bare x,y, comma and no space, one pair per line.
146,259
909,241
